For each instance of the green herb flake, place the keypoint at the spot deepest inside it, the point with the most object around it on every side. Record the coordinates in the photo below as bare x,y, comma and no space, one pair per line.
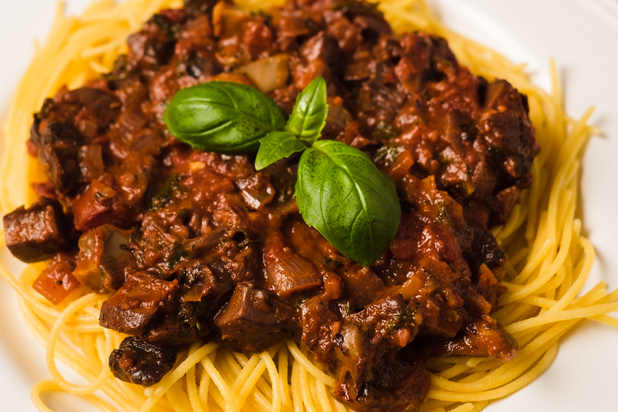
357,6
170,189
176,255
402,320
164,24
443,217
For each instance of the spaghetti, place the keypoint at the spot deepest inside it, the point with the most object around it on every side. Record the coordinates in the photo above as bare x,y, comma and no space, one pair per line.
549,264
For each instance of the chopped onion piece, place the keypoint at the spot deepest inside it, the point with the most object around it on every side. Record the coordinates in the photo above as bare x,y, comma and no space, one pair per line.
338,115
292,274
227,20
204,241
268,74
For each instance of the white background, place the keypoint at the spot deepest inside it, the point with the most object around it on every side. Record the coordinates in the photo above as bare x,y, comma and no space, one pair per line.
582,35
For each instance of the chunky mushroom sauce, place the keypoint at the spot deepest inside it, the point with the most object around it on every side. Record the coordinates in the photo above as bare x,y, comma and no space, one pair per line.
199,246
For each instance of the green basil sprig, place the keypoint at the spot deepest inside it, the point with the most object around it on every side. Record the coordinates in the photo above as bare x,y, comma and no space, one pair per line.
339,190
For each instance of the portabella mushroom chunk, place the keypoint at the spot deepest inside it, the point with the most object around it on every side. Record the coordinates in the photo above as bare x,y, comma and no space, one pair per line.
139,362
39,232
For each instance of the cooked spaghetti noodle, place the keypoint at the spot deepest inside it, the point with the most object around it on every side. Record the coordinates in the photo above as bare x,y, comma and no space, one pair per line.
549,258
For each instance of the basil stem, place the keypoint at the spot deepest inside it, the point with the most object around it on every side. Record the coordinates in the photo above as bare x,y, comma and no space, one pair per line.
222,117
342,194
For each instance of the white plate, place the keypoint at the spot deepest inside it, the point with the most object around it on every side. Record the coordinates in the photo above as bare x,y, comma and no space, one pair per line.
582,35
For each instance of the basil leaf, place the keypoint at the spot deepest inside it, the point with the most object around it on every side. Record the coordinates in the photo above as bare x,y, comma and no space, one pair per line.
275,146
343,195
309,114
222,117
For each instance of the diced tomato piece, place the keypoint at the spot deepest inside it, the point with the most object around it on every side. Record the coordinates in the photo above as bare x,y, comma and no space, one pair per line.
57,282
